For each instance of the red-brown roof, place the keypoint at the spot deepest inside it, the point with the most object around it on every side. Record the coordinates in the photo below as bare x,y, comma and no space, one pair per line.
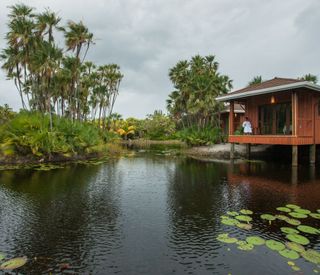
277,81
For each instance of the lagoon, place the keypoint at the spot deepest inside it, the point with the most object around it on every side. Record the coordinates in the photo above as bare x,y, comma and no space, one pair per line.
151,213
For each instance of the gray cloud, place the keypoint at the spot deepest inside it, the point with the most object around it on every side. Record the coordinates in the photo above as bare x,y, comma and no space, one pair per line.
146,38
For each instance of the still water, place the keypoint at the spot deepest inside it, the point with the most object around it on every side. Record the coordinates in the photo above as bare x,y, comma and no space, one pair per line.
150,214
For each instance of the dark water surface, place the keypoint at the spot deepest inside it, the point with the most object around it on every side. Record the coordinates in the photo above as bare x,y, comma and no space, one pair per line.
149,214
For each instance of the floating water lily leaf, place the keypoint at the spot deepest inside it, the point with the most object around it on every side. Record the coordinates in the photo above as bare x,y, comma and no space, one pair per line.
298,239
275,245
224,217
246,212
282,217
244,218
255,240
302,211
268,217
295,246
289,230
298,215
14,263
308,229
2,256
292,206
284,209
246,226
240,242
293,222
315,215
296,268
225,238
232,213
290,254
229,221
311,256
291,263
245,246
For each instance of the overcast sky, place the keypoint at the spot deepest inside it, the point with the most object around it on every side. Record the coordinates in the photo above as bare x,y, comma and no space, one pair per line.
147,37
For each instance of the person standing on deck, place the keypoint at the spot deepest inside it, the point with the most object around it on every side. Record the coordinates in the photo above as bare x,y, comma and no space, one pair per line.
247,128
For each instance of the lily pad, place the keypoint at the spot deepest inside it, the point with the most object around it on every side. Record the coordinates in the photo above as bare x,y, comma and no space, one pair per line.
295,246
311,256
293,222
282,217
290,254
291,263
302,211
246,212
232,213
225,238
275,245
284,209
296,268
268,217
244,218
229,221
14,263
246,226
245,246
298,215
255,240
308,229
289,230
298,239
315,215
293,206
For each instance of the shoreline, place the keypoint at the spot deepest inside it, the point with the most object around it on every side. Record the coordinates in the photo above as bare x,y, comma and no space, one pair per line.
217,151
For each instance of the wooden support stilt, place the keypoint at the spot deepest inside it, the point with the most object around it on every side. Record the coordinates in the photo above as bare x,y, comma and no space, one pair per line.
248,150
312,154
231,150
294,175
294,155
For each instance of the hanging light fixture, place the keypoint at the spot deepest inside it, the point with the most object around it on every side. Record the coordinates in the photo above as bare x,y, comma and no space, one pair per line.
273,100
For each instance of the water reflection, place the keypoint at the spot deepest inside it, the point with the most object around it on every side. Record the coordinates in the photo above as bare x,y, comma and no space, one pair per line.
148,214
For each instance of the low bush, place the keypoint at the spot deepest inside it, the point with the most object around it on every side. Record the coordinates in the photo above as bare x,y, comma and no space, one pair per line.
195,136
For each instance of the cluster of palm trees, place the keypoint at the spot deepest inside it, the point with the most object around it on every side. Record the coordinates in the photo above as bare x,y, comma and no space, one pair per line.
197,83
57,80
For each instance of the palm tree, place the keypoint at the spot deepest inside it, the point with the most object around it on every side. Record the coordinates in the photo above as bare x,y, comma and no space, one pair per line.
256,80
310,77
16,55
46,22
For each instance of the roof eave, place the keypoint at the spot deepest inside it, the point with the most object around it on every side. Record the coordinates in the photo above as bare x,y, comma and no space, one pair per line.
304,84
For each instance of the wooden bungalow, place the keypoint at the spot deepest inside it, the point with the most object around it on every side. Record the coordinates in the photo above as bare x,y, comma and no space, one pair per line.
282,111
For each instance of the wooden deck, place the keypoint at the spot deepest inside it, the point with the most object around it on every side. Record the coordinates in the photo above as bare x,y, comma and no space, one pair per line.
272,139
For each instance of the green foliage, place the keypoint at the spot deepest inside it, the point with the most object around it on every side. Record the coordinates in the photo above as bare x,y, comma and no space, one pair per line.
6,113
158,126
195,136
256,80
29,133
197,82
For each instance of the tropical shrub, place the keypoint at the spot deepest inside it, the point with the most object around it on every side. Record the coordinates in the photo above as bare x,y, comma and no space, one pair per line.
195,136
29,133
158,126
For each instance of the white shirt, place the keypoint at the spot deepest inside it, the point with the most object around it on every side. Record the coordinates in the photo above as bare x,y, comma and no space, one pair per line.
247,129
